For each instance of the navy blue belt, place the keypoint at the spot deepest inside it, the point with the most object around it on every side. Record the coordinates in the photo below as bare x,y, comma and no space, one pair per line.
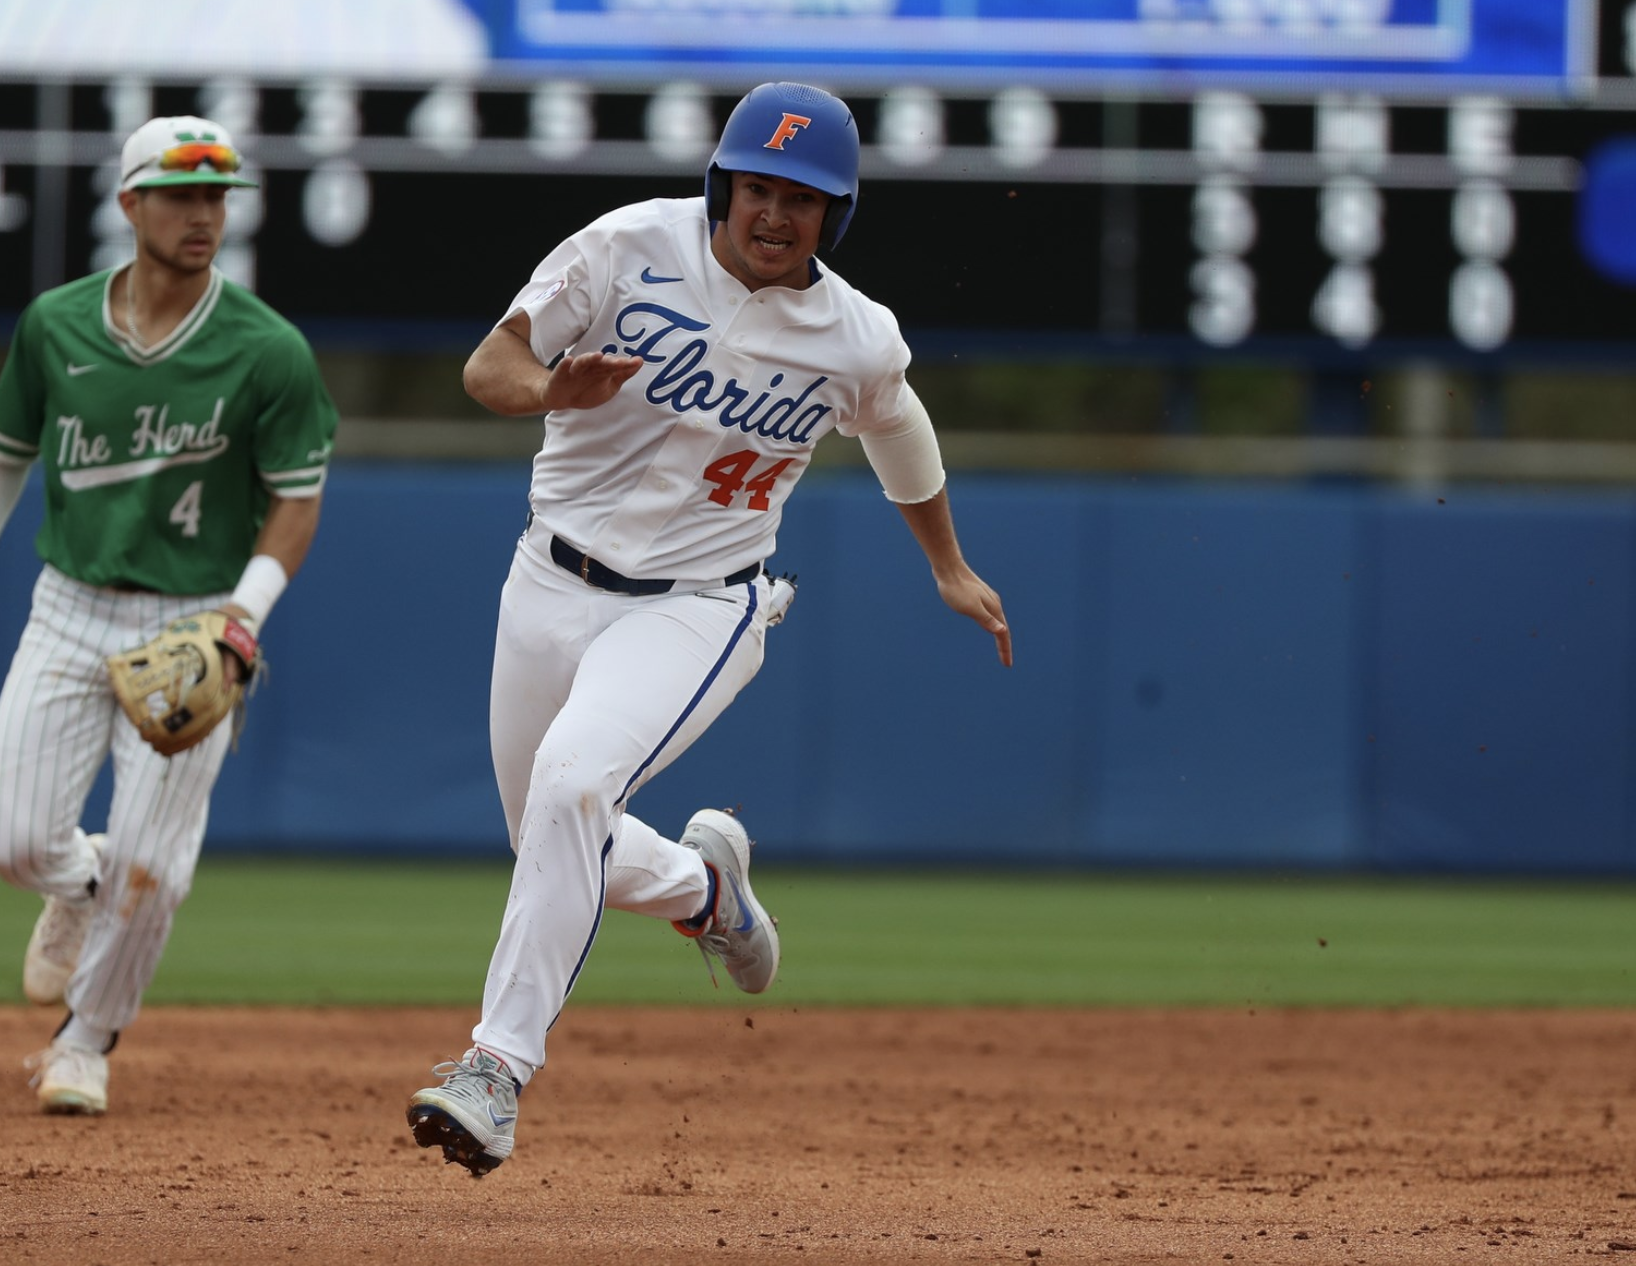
592,572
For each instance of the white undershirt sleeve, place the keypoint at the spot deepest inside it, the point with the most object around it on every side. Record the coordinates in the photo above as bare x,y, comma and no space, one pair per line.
12,479
905,455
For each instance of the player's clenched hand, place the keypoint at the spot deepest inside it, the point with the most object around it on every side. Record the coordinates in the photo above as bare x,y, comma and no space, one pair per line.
967,593
234,669
587,380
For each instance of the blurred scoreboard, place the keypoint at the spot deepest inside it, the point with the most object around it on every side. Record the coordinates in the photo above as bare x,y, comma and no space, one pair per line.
1350,177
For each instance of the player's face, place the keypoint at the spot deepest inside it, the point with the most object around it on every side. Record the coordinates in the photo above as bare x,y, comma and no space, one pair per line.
771,231
178,225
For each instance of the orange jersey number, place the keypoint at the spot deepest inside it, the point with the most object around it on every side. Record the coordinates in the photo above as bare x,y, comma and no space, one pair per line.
731,473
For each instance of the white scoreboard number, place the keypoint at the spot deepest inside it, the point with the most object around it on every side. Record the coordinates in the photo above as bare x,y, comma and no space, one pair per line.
1351,158
1347,220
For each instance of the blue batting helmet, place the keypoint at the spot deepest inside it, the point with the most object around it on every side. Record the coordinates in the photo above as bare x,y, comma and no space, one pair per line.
799,133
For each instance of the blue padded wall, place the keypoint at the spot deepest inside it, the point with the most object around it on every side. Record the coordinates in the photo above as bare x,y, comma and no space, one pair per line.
1328,676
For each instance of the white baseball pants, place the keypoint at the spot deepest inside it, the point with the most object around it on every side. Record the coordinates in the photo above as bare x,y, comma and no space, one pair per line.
594,693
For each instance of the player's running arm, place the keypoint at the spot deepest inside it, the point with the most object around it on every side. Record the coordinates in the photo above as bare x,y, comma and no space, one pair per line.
504,376
287,533
13,475
963,589
906,459
281,547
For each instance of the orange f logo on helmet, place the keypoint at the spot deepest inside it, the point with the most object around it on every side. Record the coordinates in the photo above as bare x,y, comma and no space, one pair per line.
786,129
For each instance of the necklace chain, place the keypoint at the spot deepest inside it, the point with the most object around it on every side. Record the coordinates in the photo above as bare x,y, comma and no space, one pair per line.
130,308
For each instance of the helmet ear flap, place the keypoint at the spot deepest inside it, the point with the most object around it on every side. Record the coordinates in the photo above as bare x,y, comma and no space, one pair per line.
718,192
836,216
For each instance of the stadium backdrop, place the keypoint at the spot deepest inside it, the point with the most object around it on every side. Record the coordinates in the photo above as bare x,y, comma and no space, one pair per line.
1347,178
1335,677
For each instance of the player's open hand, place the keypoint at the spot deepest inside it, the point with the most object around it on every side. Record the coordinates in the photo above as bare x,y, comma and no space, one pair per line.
589,379
968,594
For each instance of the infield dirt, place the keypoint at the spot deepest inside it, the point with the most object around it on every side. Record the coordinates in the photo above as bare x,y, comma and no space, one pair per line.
833,1136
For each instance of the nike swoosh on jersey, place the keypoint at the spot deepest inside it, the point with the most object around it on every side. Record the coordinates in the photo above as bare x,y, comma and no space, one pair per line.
650,279
74,371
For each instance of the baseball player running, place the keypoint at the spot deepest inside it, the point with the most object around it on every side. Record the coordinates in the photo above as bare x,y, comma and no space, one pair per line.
183,432
703,353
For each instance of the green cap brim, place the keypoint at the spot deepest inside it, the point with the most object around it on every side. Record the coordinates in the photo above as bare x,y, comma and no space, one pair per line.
196,178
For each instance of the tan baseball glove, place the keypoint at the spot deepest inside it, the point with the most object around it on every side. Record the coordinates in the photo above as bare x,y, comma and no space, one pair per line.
176,688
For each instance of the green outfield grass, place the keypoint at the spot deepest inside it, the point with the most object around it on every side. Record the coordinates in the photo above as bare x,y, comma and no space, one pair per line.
288,931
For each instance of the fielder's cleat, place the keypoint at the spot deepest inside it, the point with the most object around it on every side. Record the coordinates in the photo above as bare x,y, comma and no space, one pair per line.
472,1116
54,948
737,930
70,1080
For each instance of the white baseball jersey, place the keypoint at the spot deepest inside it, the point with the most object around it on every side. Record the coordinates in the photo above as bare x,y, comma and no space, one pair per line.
684,473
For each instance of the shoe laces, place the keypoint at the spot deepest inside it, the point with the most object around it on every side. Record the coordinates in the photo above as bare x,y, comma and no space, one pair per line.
36,1064
713,940
78,1064
497,1078
720,945
63,927
711,944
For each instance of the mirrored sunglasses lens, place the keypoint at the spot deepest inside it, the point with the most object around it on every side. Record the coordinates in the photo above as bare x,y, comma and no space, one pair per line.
192,157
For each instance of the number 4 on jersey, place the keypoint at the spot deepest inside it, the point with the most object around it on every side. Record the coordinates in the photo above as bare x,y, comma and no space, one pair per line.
731,473
188,507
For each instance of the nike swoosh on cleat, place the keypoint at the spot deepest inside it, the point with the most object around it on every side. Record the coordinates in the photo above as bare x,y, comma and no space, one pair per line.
649,277
74,371
749,919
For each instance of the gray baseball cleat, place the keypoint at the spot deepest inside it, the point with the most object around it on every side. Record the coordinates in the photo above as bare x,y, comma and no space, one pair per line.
69,1079
472,1116
59,935
737,930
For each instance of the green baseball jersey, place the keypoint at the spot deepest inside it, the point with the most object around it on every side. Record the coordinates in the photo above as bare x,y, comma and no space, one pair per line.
159,462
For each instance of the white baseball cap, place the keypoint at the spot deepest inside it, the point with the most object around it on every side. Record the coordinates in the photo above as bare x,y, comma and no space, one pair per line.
185,150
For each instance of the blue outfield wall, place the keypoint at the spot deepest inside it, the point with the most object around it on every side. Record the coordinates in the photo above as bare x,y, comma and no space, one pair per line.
1299,676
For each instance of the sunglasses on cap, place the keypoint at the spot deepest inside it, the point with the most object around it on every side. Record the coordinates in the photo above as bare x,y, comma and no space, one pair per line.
195,154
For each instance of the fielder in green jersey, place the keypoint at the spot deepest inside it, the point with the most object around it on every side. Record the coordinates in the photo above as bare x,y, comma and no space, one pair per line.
183,432
160,463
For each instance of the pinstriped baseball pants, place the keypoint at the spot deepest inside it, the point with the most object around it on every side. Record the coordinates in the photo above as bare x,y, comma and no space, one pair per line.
59,723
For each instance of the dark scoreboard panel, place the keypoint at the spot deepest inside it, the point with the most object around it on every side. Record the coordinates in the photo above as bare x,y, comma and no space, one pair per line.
1013,219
